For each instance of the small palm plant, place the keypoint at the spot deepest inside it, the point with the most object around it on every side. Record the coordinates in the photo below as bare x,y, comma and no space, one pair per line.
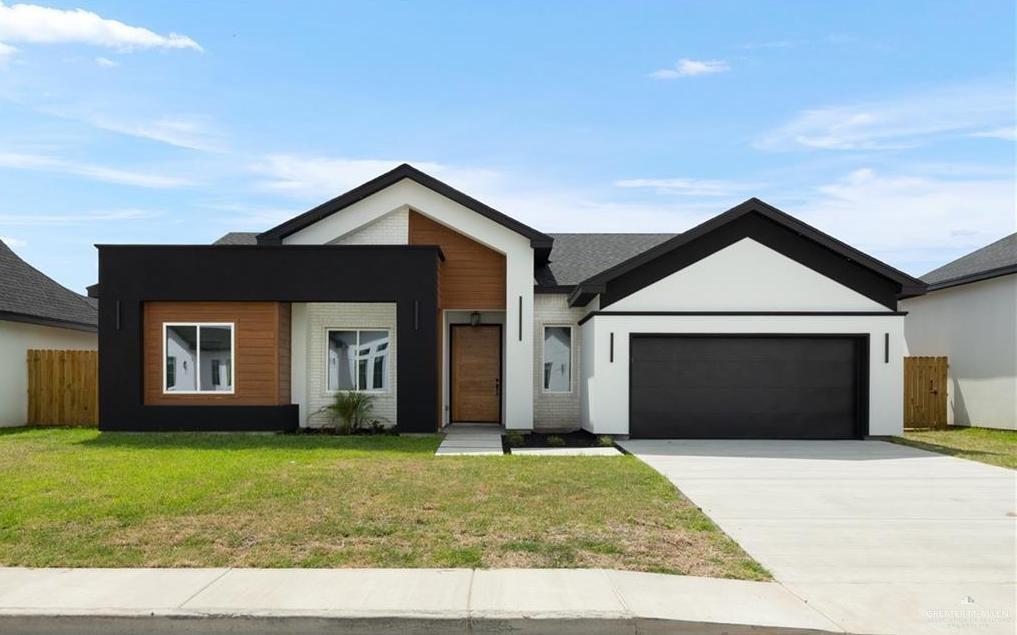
351,411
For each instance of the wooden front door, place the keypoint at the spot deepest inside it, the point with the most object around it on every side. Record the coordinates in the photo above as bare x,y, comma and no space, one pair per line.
475,368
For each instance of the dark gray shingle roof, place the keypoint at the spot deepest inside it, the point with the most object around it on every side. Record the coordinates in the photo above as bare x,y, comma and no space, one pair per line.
27,294
1001,254
238,238
576,257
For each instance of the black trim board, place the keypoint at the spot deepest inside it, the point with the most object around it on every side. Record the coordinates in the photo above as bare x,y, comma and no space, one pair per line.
764,224
592,314
501,370
862,367
540,241
132,275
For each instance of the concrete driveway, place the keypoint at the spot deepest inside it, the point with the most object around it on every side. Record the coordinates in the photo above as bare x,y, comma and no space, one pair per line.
880,538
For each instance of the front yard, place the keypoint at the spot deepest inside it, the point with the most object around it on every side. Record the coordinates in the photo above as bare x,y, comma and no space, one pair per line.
80,498
996,447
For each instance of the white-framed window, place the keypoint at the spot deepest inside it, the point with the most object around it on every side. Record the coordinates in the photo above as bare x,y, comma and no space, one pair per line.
198,357
357,359
557,359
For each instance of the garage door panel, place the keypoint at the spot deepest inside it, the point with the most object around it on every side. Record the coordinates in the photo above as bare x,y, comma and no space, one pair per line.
744,387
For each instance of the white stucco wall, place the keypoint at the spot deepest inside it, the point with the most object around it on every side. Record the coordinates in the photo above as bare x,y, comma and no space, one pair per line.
554,410
16,338
746,276
311,322
605,385
975,326
518,335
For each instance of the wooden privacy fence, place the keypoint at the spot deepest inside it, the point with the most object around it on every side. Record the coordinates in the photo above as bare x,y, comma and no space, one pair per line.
925,392
63,388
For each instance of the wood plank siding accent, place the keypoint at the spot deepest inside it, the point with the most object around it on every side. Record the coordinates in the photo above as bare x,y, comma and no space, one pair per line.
261,355
472,276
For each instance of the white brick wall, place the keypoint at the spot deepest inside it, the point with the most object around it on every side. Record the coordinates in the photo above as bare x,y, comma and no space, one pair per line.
391,229
322,316
554,410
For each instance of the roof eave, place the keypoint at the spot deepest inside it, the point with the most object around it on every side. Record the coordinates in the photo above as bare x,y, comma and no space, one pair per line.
26,318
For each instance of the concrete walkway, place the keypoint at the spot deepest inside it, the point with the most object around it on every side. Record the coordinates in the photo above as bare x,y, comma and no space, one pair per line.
881,538
157,601
471,439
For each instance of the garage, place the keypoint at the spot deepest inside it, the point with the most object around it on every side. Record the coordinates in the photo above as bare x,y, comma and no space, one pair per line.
748,386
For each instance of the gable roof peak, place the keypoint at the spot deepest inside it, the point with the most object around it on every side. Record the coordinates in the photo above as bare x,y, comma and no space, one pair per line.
540,241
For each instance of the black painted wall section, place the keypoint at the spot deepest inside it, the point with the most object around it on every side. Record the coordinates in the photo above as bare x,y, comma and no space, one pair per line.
769,233
130,275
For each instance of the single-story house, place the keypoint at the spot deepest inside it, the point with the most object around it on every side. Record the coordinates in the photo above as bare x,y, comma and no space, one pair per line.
969,315
35,313
750,325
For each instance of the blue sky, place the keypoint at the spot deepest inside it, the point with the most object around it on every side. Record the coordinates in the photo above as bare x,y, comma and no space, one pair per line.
890,125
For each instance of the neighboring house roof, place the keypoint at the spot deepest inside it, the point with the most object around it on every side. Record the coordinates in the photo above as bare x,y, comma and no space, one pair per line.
540,242
997,259
576,257
682,250
238,238
28,295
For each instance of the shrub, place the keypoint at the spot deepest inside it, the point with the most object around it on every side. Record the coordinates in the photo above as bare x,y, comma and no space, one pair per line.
555,441
352,411
514,438
605,441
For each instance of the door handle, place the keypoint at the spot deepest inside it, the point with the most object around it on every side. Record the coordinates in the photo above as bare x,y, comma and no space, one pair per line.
497,387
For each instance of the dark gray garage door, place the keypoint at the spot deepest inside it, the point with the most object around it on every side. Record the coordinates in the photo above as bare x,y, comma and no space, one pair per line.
747,387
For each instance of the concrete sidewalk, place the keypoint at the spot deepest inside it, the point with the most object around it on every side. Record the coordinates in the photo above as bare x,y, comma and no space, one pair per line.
471,439
156,601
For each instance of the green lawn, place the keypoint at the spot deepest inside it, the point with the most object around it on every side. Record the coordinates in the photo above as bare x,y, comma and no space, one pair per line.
80,498
997,447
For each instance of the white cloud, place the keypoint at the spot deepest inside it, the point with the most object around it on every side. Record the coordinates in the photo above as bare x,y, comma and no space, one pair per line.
6,53
106,62
13,242
329,176
771,44
903,122
914,221
692,68
184,131
685,186
83,218
107,174
1008,133
35,24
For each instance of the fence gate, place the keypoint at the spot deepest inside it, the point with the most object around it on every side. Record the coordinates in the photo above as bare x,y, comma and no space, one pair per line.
925,392
63,388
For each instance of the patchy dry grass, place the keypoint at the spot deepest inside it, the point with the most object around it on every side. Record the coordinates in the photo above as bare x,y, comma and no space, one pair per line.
996,447
81,498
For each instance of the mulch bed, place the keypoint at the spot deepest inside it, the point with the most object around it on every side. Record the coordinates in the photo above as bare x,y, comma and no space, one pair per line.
578,439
